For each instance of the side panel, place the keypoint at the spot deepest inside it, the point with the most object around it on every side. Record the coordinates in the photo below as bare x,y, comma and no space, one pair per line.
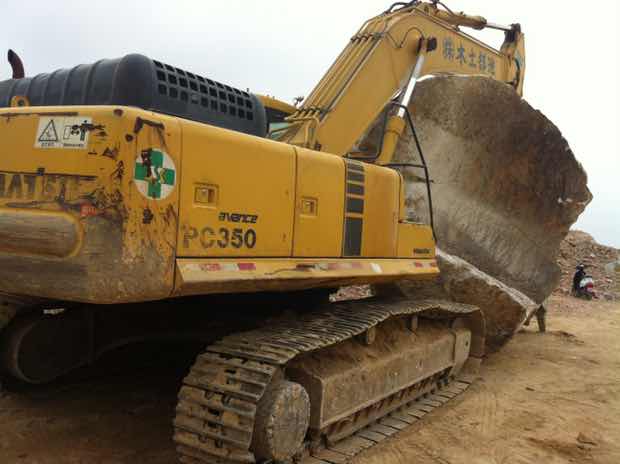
415,241
81,220
319,204
381,211
237,194
202,276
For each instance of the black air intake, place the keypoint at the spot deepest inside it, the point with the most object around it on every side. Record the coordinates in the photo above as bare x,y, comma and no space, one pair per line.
136,80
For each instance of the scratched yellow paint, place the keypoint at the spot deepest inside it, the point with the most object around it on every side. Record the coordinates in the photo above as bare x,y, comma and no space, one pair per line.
148,189
127,241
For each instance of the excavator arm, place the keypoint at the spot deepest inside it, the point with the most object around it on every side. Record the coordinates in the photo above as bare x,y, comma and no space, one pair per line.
383,60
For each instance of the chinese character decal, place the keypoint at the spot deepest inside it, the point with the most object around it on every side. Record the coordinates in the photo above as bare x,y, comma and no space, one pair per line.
482,62
472,59
448,49
491,65
461,55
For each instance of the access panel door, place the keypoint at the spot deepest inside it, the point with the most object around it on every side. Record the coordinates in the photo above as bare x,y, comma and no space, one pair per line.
237,195
319,204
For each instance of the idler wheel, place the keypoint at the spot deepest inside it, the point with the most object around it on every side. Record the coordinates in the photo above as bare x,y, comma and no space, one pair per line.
281,421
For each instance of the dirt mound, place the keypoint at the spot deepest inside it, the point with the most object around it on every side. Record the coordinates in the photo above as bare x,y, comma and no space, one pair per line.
544,399
580,247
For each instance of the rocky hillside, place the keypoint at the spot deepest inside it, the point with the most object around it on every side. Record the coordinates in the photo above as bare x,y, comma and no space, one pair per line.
581,247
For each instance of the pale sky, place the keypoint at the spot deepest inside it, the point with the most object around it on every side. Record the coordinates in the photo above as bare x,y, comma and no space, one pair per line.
283,47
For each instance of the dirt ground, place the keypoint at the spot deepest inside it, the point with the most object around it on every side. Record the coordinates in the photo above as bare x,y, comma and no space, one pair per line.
552,398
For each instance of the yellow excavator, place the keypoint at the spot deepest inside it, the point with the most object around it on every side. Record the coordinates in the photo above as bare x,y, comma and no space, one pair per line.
139,200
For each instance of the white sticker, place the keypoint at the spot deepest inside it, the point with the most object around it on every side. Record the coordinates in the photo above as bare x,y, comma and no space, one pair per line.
154,174
67,132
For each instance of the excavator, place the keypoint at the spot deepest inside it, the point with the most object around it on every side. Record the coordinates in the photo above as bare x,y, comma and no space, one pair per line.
139,200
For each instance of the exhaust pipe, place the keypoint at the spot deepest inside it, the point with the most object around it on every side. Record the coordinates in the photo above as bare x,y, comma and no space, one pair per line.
16,65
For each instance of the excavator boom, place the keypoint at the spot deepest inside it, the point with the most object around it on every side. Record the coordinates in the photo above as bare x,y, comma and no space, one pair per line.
382,56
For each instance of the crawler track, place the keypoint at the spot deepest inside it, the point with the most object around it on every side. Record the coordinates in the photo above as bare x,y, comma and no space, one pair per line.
345,449
219,397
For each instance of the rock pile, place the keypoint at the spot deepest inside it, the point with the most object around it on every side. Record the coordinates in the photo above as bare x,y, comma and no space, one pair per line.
504,308
580,247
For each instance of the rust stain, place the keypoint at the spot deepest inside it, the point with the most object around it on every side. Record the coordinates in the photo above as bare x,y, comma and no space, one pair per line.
88,127
158,126
170,216
147,216
141,122
118,173
110,152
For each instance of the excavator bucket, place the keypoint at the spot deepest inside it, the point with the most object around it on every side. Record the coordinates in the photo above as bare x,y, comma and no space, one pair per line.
506,186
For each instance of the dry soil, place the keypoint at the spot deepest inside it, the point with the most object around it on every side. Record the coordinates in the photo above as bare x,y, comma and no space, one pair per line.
552,398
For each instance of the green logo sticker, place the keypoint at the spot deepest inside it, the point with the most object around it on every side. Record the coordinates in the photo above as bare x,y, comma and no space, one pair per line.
154,174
